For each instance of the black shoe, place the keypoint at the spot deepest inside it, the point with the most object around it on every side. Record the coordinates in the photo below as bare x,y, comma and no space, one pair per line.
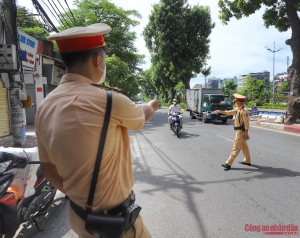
227,166
242,162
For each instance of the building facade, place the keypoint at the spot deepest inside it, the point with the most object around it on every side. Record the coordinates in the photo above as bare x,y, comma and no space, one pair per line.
259,75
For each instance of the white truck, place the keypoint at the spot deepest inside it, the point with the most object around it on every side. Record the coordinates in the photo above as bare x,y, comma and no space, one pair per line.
203,102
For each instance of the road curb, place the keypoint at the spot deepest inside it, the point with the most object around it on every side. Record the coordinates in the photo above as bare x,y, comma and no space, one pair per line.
291,128
278,127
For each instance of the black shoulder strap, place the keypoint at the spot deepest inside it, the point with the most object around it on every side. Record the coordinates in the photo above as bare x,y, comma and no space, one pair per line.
100,152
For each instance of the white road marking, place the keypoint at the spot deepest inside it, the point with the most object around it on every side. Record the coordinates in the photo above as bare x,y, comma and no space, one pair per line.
225,138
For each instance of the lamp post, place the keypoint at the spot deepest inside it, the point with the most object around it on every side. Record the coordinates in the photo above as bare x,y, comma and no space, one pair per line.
273,51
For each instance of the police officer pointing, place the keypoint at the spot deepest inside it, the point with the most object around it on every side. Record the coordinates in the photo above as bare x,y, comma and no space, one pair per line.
69,123
241,127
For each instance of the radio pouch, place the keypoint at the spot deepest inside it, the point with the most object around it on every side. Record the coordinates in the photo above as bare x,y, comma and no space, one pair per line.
106,226
131,214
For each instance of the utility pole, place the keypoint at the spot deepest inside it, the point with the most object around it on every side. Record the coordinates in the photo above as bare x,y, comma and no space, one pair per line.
15,74
273,51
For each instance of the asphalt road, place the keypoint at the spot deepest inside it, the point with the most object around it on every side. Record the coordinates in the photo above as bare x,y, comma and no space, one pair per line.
184,191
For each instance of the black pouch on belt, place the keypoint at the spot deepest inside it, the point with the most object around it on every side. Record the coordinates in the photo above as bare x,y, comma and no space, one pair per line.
105,226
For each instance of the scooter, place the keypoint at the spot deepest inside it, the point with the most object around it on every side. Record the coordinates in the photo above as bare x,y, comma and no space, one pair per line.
15,208
175,124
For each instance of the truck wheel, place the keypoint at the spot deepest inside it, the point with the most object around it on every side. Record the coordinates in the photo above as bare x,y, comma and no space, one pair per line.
204,118
192,115
224,121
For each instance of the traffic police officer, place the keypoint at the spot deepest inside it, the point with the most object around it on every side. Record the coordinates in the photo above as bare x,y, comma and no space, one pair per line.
241,127
69,124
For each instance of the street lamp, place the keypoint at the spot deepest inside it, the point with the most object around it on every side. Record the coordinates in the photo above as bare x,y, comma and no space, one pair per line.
273,90
273,51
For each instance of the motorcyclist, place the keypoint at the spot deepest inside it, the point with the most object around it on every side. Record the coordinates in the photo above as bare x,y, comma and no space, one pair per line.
254,107
173,109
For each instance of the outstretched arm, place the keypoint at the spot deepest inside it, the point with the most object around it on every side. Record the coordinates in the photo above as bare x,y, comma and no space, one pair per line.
150,108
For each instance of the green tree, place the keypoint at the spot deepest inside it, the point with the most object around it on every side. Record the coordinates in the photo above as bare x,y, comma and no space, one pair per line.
177,36
180,90
229,88
118,75
283,15
284,88
148,85
29,24
254,89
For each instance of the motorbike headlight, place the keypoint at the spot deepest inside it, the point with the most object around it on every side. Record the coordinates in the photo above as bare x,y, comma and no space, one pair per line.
4,186
5,181
4,165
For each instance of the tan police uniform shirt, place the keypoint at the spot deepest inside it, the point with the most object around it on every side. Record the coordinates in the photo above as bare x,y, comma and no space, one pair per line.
68,127
242,116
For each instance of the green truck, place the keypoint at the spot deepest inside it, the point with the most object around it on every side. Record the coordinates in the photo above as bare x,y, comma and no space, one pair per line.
203,102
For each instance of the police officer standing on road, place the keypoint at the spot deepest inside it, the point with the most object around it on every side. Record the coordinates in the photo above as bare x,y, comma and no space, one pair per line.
69,123
241,127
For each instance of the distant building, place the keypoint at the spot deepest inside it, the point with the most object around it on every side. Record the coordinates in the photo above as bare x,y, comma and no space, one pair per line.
198,86
259,75
282,76
234,79
213,82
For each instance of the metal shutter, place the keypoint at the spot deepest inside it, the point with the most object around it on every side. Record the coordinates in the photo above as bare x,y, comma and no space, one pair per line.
4,115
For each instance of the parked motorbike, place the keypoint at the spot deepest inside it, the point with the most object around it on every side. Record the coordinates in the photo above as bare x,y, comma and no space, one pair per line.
175,124
15,208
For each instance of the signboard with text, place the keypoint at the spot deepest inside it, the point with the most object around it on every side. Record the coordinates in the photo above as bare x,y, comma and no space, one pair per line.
28,45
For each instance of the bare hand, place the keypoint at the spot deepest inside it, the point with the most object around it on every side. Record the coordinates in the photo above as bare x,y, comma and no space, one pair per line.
154,104
246,136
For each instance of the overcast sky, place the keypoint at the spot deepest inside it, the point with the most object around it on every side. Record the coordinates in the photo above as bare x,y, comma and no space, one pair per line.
237,48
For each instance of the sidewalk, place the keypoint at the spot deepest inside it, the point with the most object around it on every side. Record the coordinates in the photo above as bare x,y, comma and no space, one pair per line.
30,139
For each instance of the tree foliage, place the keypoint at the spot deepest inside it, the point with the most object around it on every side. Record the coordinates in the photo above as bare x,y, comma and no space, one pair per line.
177,36
121,40
29,24
283,15
229,88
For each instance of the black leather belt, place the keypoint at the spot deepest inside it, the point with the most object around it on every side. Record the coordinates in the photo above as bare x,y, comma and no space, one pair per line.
114,211
242,128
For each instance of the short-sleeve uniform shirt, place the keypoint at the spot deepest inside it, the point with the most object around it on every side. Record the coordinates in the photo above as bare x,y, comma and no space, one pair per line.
241,117
68,127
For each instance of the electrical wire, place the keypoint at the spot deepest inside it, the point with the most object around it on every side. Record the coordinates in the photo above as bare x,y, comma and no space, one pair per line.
57,15
66,13
71,13
45,15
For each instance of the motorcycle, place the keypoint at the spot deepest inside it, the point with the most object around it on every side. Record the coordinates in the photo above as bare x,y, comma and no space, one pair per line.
175,124
15,207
